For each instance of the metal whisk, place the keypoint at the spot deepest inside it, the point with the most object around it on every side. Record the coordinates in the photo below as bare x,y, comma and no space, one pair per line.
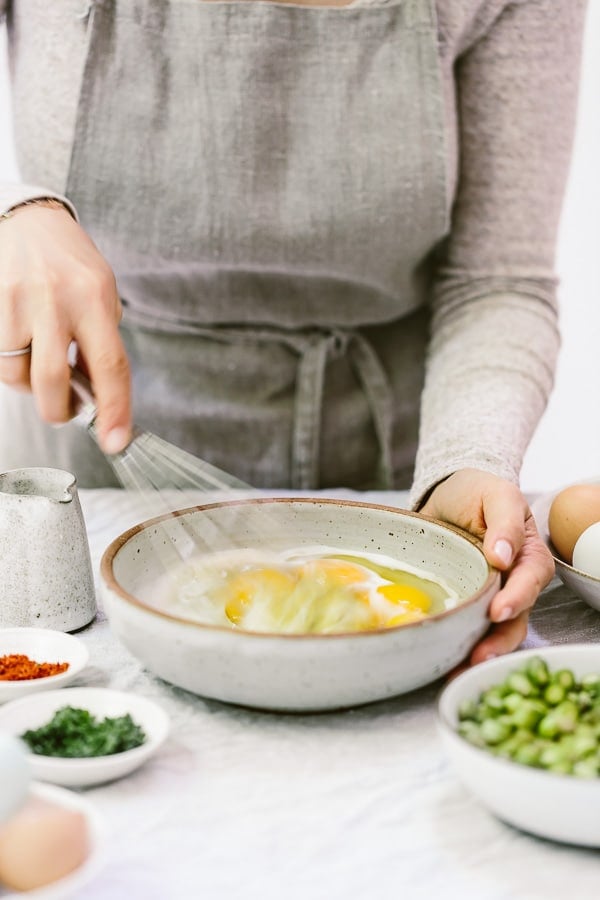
149,462
166,478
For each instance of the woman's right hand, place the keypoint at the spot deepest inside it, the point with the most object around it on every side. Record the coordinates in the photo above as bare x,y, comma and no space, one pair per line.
55,288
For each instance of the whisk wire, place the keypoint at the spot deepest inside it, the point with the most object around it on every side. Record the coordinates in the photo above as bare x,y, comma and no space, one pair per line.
163,475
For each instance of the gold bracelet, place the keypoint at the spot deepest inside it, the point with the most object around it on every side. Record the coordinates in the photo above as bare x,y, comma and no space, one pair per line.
48,202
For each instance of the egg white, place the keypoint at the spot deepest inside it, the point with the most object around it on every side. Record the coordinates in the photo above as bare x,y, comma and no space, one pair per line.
195,587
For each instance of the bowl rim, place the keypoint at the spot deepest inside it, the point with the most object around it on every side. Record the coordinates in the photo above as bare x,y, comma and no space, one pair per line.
565,565
75,667
109,579
445,725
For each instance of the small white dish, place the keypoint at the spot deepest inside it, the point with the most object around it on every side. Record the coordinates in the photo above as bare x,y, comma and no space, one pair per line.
41,645
34,711
554,806
75,881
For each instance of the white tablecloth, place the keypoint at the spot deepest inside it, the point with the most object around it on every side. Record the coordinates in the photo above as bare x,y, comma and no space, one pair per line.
358,804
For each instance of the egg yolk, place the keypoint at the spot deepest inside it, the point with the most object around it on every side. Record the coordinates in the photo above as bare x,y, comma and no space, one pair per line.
244,588
334,570
406,594
319,595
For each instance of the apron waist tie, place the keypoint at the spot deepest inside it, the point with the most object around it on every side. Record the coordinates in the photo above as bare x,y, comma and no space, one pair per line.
314,349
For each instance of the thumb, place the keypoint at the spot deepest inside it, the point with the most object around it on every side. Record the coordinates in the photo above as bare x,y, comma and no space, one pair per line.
505,512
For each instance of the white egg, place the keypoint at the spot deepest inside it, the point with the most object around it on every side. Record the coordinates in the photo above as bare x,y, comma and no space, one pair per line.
15,775
586,553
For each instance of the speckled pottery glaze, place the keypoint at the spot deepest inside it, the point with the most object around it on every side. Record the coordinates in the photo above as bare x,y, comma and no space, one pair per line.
45,566
295,672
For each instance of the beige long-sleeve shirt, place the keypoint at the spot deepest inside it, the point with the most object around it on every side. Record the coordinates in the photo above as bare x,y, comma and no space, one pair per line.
510,73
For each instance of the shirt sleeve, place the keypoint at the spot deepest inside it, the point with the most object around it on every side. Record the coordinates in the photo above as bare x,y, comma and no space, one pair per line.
495,339
12,194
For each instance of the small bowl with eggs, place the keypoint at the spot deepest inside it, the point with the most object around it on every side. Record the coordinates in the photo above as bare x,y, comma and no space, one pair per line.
568,521
50,839
297,604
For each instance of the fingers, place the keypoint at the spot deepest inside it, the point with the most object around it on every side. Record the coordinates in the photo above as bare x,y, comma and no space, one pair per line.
505,512
14,371
532,571
501,639
14,335
56,289
496,511
49,366
108,367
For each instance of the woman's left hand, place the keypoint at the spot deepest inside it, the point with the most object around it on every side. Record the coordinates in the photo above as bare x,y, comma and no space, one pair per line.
495,511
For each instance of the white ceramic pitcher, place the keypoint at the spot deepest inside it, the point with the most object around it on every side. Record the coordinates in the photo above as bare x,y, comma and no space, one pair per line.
45,568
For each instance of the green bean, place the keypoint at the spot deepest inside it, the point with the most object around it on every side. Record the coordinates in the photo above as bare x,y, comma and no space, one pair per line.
554,694
528,714
509,747
583,699
565,678
528,754
519,682
583,745
467,709
537,670
472,733
494,699
536,717
586,768
512,701
554,754
562,767
548,727
591,683
493,731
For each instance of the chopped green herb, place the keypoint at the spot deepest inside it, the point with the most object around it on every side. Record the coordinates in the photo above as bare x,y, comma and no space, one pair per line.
76,733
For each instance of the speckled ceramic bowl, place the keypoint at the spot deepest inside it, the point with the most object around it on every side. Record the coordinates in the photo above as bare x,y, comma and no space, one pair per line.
295,672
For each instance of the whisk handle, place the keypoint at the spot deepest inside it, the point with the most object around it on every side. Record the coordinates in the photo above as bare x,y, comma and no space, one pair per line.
84,402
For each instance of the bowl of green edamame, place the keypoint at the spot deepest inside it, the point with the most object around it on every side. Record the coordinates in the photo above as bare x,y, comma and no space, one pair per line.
523,732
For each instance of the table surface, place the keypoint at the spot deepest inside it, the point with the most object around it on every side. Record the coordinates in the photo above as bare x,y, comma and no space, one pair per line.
354,804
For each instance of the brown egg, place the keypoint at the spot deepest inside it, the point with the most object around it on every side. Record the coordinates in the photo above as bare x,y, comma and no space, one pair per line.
572,511
41,844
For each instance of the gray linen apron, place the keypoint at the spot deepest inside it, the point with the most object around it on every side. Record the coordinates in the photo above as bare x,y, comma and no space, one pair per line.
264,179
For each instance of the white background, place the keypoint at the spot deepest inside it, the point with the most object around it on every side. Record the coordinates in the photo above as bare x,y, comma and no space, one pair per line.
566,447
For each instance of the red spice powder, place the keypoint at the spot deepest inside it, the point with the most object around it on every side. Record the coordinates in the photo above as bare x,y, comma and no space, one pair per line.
18,667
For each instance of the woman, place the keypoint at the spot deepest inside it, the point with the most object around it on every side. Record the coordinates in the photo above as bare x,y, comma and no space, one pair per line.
332,229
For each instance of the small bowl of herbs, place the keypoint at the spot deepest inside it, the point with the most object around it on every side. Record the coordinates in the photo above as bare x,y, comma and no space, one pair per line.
523,732
78,737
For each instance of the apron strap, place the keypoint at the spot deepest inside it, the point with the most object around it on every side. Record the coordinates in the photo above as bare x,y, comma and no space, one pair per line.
314,353
308,411
378,392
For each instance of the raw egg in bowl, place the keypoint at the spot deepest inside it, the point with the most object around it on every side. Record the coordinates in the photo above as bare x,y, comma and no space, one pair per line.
297,603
